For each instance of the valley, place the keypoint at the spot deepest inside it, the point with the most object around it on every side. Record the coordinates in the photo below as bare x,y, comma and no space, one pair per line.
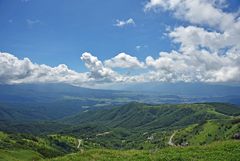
119,80
113,125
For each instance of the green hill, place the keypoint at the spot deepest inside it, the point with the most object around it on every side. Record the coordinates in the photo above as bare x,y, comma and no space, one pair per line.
37,128
139,116
43,111
228,150
208,131
14,146
86,129
128,127
131,125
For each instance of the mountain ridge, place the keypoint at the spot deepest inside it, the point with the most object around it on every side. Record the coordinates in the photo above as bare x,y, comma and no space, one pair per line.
138,115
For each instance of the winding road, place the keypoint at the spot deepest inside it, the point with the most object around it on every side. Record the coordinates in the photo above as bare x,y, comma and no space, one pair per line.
170,141
79,142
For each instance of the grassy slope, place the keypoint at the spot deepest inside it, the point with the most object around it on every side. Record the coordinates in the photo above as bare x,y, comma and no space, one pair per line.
146,118
227,150
143,116
13,155
37,128
217,150
22,146
211,130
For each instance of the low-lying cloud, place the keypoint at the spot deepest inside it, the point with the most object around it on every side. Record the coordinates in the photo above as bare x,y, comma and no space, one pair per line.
13,70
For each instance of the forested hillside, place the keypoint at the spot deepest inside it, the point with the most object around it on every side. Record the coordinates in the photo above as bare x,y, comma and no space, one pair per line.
144,116
14,146
43,111
208,131
132,126
36,128
227,150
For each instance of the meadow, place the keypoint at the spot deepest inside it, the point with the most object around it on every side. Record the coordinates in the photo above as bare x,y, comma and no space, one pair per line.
226,150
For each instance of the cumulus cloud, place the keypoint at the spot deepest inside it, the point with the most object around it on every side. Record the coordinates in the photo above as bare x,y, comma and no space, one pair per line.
196,66
196,36
206,56
122,23
96,66
123,60
192,11
13,70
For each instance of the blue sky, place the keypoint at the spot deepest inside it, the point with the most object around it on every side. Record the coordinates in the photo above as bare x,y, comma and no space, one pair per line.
104,42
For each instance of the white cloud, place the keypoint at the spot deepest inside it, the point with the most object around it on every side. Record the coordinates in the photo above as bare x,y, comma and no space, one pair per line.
167,63
195,65
164,4
123,60
13,70
10,20
203,12
122,23
207,56
97,69
31,23
192,66
203,56
194,36
138,47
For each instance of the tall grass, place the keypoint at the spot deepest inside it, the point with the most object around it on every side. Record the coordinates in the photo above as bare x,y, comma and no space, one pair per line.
227,150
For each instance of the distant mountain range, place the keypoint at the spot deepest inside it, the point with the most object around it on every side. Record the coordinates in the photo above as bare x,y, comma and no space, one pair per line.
44,92
156,93
205,89
36,92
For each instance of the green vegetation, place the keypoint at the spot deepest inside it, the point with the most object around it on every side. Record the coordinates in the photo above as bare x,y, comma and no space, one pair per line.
113,132
228,150
14,145
127,124
86,129
25,155
52,102
138,116
37,128
208,131
100,136
225,108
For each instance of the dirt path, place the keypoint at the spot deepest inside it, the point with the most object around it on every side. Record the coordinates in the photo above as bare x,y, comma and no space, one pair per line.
79,142
170,141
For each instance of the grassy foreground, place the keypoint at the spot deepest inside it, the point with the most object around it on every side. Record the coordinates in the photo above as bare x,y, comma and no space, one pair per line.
227,150
26,155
